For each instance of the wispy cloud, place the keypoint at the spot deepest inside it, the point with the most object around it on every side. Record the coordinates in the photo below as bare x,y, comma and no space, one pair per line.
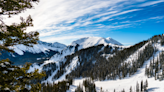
120,13
151,3
156,19
54,18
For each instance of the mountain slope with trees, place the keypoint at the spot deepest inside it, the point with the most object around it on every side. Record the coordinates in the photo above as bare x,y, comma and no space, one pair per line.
145,73
105,62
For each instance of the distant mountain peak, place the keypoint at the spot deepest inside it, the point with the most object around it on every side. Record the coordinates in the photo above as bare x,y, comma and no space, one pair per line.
55,44
38,48
93,41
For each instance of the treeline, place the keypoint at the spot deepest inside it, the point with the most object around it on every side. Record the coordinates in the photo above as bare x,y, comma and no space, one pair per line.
156,68
88,86
62,86
86,58
138,88
49,69
113,67
93,64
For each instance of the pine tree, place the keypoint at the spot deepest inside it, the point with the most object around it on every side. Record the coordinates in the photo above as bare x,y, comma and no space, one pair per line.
14,34
145,86
137,87
146,71
123,90
141,86
14,78
146,83
131,89
79,89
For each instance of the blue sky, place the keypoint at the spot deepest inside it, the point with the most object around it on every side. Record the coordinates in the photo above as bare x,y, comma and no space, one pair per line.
127,21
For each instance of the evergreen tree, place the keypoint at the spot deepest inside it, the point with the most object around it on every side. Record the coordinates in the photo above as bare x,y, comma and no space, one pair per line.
123,90
14,34
79,89
146,83
145,86
141,86
131,89
14,78
137,87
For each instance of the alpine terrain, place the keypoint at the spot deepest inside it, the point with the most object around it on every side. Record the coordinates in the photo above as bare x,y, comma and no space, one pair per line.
107,65
96,64
37,53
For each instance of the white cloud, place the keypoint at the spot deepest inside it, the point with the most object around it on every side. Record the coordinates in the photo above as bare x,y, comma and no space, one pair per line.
54,12
117,14
125,21
157,17
118,26
53,17
151,3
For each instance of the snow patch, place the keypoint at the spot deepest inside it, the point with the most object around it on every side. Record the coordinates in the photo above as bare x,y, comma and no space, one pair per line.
69,68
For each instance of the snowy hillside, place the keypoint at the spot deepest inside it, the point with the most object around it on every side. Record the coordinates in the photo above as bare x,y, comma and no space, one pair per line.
38,48
85,43
81,44
71,58
154,64
118,85
67,56
93,41
112,67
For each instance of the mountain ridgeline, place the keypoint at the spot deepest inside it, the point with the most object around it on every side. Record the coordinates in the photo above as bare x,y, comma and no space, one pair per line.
102,62
99,59
38,53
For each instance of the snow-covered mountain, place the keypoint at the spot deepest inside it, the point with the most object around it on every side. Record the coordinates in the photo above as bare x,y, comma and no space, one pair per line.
94,45
84,43
106,61
93,41
111,65
38,53
52,45
38,48
151,71
117,65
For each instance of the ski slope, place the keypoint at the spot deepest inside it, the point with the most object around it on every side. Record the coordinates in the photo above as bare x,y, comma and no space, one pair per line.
127,82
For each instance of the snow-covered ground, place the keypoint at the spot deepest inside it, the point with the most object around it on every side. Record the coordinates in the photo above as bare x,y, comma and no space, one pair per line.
126,83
